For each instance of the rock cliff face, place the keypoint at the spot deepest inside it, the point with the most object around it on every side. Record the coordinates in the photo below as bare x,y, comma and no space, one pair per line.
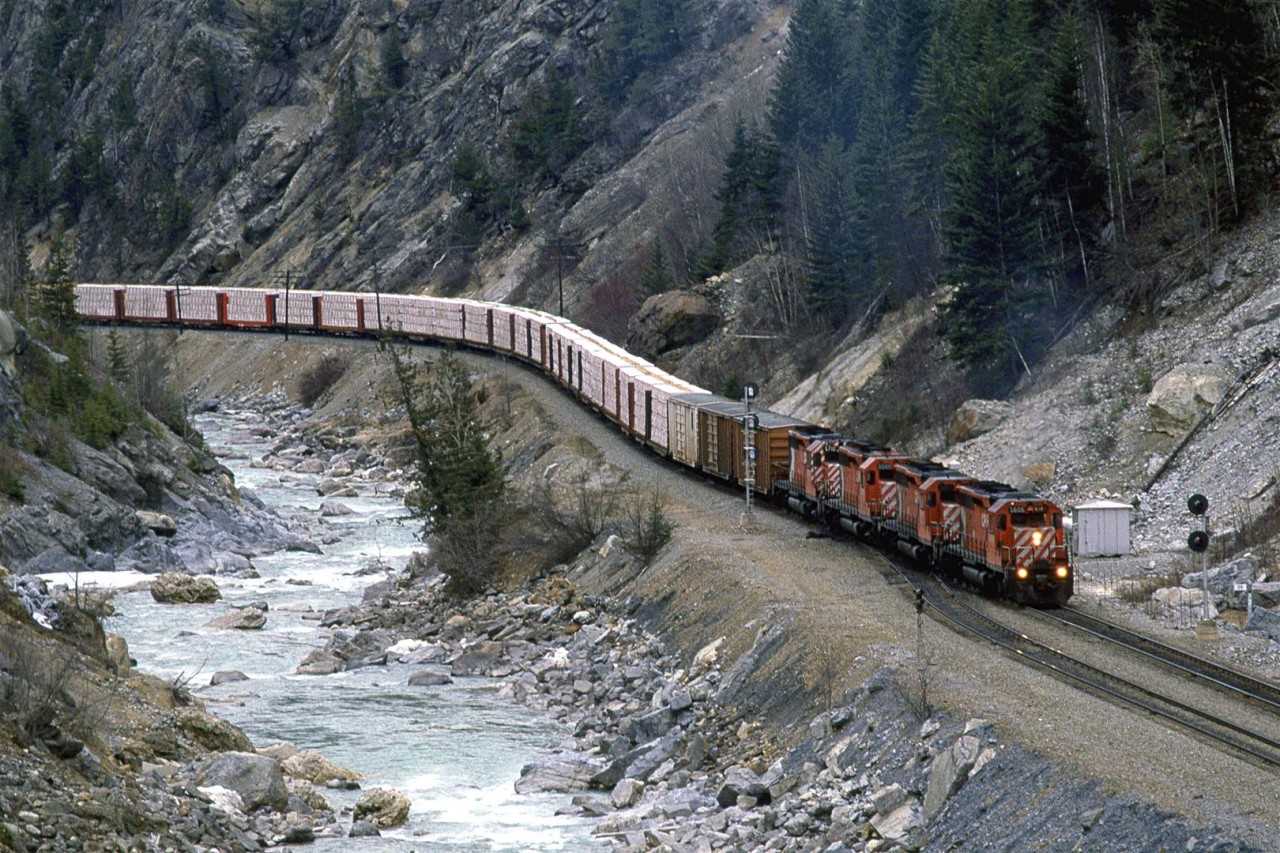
244,138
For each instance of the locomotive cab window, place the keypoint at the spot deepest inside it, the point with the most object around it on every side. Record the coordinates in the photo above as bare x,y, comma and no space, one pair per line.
933,499
1057,521
1027,519
871,478
1002,522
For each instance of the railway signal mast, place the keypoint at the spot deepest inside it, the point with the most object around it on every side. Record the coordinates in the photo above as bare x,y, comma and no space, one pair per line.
1198,542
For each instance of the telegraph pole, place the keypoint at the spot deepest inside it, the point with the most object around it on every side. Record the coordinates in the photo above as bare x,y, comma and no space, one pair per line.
749,424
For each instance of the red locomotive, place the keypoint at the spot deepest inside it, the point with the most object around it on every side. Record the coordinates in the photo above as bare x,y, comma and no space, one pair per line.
1003,541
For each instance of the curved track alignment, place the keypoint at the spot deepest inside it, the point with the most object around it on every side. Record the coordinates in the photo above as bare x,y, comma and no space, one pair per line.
1259,748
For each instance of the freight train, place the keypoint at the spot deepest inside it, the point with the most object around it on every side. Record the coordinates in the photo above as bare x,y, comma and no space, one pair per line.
1006,542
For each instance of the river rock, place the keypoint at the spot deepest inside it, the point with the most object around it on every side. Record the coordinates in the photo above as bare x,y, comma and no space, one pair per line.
243,619
385,807
1177,596
562,772
742,781
321,662
363,829
480,659
213,733
333,509
179,588
118,655
627,793
975,418
429,678
316,769
1184,395
257,779
227,676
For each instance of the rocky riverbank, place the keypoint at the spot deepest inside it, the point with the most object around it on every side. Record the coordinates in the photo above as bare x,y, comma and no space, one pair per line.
660,757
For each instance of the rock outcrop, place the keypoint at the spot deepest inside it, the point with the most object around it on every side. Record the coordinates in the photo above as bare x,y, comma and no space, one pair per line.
669,320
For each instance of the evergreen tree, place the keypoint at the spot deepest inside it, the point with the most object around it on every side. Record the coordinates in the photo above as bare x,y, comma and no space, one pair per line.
348,116
639,37
549,132
1067,158
459,471
1218,59
994,255
57,291
750,199
655,278
816,93
117,358
838,254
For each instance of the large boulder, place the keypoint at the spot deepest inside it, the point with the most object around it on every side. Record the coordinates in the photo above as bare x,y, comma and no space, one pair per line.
257,779
1265,622
670,320
1223,578
975,417
1184,395
178,588
384,807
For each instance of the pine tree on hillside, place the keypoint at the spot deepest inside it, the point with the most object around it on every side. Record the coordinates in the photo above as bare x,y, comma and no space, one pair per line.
838,254
994,252
57,291
1067,158
750,199
815,93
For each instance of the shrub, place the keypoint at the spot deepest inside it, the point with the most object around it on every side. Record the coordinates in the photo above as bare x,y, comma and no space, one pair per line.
321,376
11,472
648,529
577,513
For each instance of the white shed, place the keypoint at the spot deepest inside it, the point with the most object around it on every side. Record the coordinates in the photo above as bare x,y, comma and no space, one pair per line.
1101,528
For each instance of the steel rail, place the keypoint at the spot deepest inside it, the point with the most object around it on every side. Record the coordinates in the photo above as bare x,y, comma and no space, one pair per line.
1179,660
1254,746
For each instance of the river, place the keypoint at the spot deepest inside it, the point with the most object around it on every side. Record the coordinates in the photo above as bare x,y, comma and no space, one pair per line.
455,750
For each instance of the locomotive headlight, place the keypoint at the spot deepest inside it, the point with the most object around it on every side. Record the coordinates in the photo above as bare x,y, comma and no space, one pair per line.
1022,573
1036,538
1062,572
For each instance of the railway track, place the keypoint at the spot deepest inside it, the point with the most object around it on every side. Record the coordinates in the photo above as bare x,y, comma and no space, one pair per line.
1261,748
1233,682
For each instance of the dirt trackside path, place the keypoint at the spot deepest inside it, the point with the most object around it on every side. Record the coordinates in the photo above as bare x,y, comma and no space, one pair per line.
806,621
